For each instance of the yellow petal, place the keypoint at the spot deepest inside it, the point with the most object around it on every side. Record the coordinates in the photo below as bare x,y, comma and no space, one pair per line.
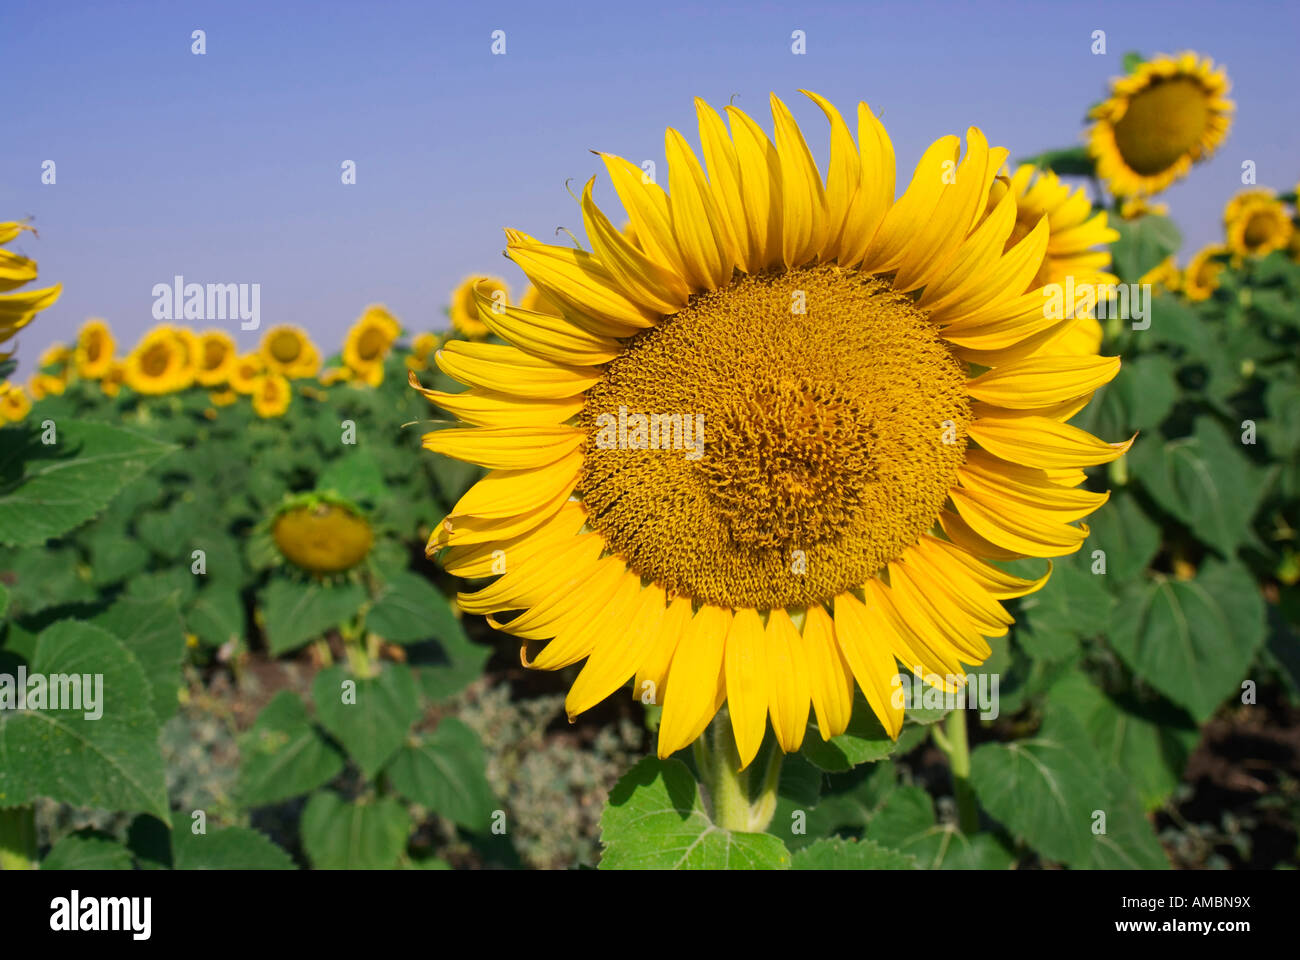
829,679
697,225
507,493
507,369
643,280
788,681
803,200
745,670
861,637
1041,381
1040,442
508,448
696,687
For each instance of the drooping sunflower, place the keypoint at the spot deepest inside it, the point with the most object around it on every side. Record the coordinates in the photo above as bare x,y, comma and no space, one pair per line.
271,395
1075,232
18,309
160,363
244,373
1256,223
14,403
322,534
463,310
1202,276
1169,113
423,348
93,354
217,357
288,350
368,343
770,449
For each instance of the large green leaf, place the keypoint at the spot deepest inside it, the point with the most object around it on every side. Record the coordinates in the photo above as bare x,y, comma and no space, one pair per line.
905,822
1139,398
1142,245
282,755
111,761
216,615
447,773
87,852
409,608
1127,536
837,853
656,820
46,490
370,716
226,848
298,610
338,835
153,631
1074,605
1192,640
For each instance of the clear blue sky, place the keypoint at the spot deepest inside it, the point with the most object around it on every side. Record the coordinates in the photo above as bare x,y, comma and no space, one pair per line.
226,167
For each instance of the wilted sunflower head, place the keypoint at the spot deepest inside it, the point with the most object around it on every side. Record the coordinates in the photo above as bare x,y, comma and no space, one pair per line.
769,449
1169,113
94,350
1256,223
18,309
368,343
14,403
271,394
288,350
463,310
160,363
1077,237
217,357
322,534
1202,276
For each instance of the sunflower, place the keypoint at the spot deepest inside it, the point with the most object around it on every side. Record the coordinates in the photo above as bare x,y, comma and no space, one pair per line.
223,397
1169,113
464,311
322,534
217,357
271,395
288,350
93,354
1135,208
14,403
368,343
1164,274
159,363
1256,223
18,309
423,348
1202,276
57,356
756,460
244,373
43,385
110,384
1074,231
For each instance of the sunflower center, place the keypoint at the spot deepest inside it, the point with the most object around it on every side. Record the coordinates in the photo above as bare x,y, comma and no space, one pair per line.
776,442
371,343
214,354
1259,230
155,360
285,347
1162,124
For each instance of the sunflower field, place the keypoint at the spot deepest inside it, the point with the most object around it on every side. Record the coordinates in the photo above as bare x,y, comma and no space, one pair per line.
790,518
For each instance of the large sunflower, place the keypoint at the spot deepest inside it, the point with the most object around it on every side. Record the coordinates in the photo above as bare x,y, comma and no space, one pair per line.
18,309
1169,113
1256,223
876,426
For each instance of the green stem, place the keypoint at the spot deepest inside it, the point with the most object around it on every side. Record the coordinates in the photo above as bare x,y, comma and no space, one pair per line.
18,838
959,758
742,802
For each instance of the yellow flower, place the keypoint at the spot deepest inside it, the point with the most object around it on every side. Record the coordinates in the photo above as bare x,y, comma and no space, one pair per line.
1137,207
368,343
94,350
44,385
14,403
1074,231
111,383
288,350
1166,115
160,363
1164,274
832,514
322,536
422,348
57,355
223,397
244,373
1256,223
463,310
18,309
332,375
217,357
271,395
1202,276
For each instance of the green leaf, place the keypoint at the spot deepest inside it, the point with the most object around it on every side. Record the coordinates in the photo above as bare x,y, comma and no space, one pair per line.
153,631
836,853
338,835
43,579
111,762
1142,245
45,491
370,716
410,608
297,611
905,822
656,820
1139,398
4,600
446,667
1074,605
229,848
87,852
447,773
1193,640
1070,162
1205,481
355,476
282,755
1128,537
216,615
865,741
1178,324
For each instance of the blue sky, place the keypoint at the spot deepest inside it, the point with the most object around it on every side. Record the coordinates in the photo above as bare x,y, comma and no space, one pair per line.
226,167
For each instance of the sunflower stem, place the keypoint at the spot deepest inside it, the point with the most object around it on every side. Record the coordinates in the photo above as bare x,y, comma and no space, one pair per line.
958,751
741,801
18,838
